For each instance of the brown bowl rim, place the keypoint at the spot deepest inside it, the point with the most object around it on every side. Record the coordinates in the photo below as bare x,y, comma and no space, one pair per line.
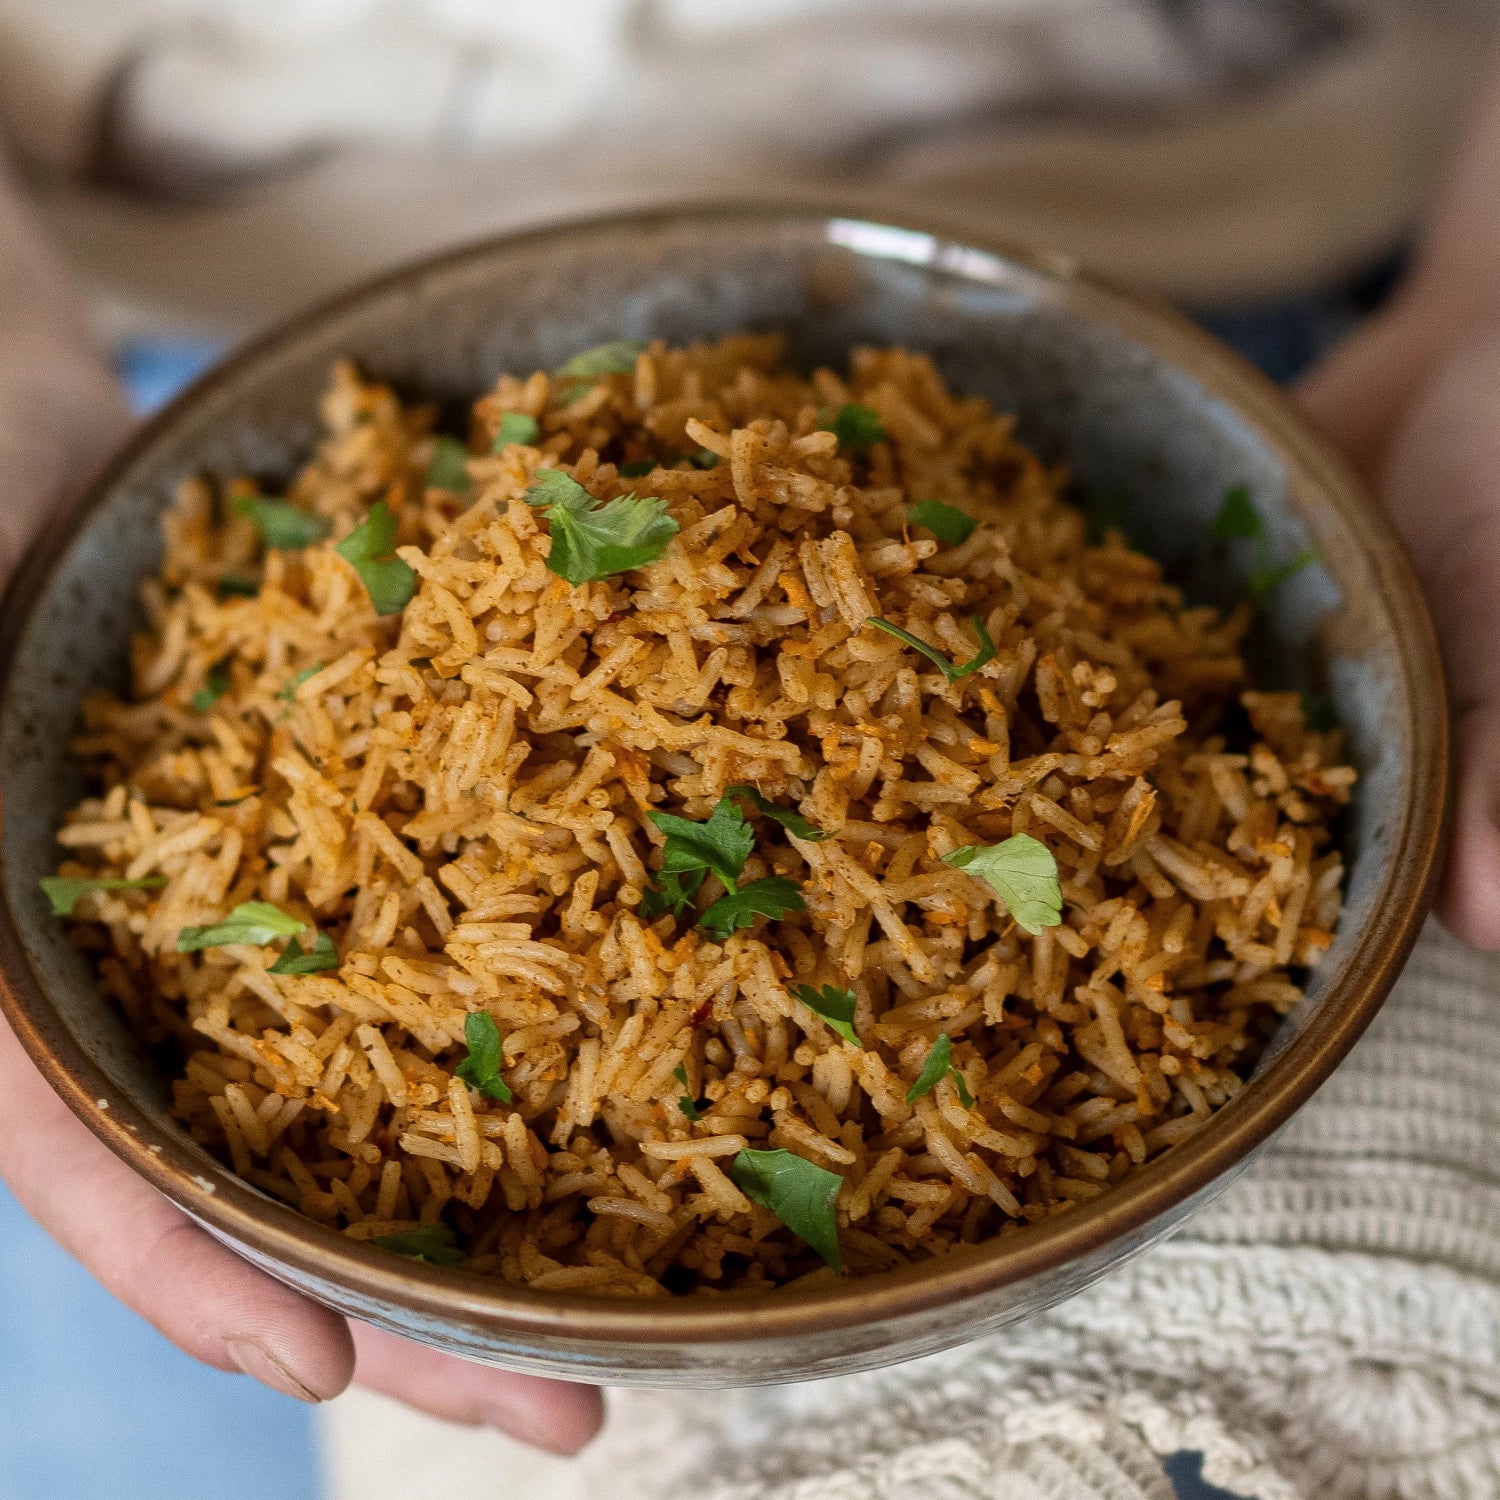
279,1234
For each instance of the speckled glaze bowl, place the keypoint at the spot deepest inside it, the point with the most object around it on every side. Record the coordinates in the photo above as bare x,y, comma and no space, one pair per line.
1140,403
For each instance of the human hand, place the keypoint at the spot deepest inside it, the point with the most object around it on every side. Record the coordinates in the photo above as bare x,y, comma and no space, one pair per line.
219,1308
1416,408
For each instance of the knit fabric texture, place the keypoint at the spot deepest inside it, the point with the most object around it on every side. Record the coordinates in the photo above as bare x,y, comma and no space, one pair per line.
1329,1328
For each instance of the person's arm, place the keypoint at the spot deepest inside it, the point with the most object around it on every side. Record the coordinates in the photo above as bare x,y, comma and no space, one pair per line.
1413,400
60,413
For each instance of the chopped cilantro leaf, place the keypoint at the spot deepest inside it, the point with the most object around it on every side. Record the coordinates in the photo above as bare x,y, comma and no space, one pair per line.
800,1193
322,955
448,468
946,522
789,818
287,692
1020,870
685,1103
388,579
592,541
1238,516
616,358
836,1006
515,427
253,922
722,844
856,427
637,470
940,1061
773,897
281,524
704,458
215,685
481,1068
1239,519
673,893
950,671
229,584
63,891
432,1242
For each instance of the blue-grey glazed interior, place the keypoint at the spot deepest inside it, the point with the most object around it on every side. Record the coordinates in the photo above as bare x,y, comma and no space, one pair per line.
1136,405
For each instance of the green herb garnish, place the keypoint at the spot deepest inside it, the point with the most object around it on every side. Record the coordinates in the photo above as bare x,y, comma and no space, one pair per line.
481,1068
515,427
432,1242
616,358
773,897
1020,870
856,427
592,541
940,1061
673,893
951,672
253,922
836,1006
322,955
448,468
229,584
789,818
638,469
1104,512
946,522
388,579
281,524
63,891
704,458
215,685
685,1103
722,844
800,1193
1239,519
287,692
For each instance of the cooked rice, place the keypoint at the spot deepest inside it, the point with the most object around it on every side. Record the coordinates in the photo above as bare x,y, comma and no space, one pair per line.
458,795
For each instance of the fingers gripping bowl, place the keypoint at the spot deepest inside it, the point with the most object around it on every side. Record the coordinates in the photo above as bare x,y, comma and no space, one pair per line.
838,1005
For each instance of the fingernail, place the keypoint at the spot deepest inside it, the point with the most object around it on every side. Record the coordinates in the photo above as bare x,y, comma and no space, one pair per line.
256,1361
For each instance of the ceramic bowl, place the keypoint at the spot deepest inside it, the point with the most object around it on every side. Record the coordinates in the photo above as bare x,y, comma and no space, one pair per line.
1141,405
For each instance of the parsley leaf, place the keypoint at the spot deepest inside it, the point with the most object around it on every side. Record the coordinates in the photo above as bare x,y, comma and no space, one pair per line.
616,358
951,672
281,524
592,541
1239,519
836,1006
789,818
685,1103
287,692
673,894
432,1242
940,1061
254,922
800,1193
1265,581
946,522
1020,870
63,891
856,427
773,897
322,955
448,468
515,427
246,588
481,1068
388,580
637,470
1238,516
704,458
215,685
722,844
1104,512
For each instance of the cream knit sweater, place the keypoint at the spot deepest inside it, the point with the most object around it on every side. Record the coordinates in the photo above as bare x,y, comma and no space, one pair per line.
1328,1329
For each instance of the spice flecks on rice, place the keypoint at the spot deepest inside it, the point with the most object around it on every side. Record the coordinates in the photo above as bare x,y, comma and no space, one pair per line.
459,796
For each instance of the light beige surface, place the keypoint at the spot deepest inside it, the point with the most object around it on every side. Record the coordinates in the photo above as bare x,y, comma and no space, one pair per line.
215,163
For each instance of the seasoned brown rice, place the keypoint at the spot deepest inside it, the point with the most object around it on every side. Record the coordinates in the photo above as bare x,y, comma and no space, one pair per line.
458,796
